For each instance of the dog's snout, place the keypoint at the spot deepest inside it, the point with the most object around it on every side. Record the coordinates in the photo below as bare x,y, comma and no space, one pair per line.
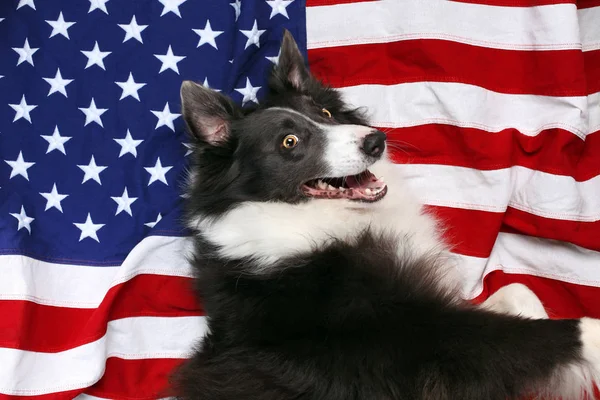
374,144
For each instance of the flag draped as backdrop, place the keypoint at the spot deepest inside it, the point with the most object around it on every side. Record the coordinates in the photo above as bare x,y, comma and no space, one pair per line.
492,109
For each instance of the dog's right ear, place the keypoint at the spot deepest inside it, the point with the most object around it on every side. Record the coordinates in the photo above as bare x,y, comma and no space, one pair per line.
207,113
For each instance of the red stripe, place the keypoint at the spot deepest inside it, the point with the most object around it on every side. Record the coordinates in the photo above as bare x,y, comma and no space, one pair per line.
592,70
587,3
24,324
583,234
70,395
315,3
562,299
468,232
473,232
521,72
554,151
135,379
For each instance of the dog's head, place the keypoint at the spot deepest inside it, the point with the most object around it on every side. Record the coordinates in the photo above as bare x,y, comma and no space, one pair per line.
302,142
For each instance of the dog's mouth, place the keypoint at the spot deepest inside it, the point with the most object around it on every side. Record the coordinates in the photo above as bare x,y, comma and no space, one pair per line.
361,187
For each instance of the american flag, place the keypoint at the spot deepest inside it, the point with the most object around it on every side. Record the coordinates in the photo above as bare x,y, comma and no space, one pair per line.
492,108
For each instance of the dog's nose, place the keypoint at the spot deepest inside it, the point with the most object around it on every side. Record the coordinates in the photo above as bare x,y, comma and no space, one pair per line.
374,144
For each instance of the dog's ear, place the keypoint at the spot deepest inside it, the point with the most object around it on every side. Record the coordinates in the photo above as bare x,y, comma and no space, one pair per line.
291,71
207,113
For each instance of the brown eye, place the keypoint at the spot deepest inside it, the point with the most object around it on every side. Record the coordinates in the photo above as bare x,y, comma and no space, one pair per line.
290,141
326,112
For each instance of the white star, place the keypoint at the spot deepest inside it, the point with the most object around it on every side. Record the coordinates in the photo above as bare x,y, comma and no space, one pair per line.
165,117
53,199
171,6
19,166
60,26
133,30
253,35
22,110
24,220
275,60
92,114
89,229
279,7
58,84
98,4
169,61
25,53
23,3
96,57
124,202
130,88
189,148
157,173
153,224
92,171
237,7
206,85
128,145
249,92
56,142
207,35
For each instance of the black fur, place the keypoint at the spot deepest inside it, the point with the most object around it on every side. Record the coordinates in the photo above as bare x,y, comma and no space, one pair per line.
351,322
348,321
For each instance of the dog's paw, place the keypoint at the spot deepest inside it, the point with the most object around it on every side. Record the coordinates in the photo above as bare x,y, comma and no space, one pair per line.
516,299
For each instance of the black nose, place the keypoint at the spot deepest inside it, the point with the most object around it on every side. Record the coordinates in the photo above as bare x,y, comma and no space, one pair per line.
374,144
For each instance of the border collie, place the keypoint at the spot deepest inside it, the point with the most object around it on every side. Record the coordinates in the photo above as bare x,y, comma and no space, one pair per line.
322,280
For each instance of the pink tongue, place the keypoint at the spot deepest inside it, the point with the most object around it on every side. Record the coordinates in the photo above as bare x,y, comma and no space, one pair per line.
365,180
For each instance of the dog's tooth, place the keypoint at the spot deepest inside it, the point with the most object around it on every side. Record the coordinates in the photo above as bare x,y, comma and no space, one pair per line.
342,189
330,187
368,191
321,185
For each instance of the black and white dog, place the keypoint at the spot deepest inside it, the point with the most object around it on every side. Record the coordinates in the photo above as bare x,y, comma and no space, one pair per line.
322,281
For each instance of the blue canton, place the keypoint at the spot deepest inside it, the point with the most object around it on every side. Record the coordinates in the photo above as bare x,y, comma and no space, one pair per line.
92,145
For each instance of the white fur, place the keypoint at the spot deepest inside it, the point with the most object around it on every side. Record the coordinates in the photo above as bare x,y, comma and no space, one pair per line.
516,299
343,150
271,231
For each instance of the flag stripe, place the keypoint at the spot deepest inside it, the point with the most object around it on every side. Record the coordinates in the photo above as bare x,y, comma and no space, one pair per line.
521,254
82,366
554,151
390,20
84,286
592,70
135,379
25,323
590,28
522,188
547,73
561,299
437,104
516,3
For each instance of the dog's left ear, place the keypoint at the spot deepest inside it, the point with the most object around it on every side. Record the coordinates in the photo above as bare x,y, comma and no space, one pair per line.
291,71
207,113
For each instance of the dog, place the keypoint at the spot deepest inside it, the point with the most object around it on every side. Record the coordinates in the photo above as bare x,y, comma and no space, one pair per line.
321,279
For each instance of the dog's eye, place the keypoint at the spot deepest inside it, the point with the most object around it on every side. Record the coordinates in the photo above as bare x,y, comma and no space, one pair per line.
290,141
326,112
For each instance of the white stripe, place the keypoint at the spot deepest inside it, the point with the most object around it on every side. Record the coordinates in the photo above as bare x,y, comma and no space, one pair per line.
589,22
519,254
418,103
33,373
594,111
538,193
518,28
24,278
